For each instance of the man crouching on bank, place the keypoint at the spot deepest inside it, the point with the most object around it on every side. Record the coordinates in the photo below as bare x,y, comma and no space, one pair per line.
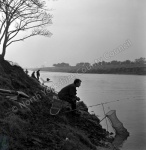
68,94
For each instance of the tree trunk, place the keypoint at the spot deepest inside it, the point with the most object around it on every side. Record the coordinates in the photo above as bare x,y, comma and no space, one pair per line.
4,50
3,54
4,47
1,58
5,40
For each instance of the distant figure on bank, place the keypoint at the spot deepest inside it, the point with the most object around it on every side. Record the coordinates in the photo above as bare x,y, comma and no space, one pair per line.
26,71
45,81
48,79
68,93
38,74
33,75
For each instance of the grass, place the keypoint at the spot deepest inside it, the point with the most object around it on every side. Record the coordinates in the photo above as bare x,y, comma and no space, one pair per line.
37,129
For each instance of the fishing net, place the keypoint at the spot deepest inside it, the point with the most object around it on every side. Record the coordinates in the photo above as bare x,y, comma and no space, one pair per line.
116,123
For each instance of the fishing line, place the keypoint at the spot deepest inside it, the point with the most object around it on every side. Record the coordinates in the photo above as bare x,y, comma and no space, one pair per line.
95,105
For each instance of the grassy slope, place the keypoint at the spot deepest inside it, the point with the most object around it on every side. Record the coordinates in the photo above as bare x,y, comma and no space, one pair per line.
35,128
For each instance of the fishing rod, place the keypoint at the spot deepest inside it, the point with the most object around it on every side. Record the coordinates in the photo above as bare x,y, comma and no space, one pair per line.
105,115
92,106
103,103
110,102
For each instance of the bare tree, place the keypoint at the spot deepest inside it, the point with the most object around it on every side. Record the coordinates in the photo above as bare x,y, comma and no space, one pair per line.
22,15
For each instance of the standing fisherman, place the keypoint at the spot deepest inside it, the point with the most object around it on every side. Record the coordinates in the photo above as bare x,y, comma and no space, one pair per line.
38,74
26,71
33,75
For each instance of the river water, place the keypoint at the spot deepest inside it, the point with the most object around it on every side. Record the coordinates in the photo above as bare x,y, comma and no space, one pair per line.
130,90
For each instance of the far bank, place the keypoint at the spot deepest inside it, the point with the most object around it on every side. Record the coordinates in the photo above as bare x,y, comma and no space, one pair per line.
99,69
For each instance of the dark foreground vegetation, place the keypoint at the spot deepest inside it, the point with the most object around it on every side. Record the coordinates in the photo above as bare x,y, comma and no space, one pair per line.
33,128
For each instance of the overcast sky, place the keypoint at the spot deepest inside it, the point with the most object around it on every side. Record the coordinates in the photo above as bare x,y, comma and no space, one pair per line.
84,30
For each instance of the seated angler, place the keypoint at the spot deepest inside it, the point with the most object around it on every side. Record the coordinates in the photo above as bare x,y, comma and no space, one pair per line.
68,93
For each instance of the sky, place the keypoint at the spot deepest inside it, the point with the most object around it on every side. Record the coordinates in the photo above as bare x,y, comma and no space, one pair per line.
83,31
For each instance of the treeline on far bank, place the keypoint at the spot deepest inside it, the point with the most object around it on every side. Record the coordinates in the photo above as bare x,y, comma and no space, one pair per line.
138,66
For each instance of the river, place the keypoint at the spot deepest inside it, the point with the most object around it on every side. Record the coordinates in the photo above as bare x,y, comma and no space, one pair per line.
130,90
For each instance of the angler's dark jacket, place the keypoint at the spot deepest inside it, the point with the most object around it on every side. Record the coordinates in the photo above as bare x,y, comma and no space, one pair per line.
68,91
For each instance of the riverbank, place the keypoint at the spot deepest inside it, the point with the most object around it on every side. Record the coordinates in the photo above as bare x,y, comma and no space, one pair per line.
99,69
32,127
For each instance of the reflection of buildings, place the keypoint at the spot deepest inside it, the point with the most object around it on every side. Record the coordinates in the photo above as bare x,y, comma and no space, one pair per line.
120,131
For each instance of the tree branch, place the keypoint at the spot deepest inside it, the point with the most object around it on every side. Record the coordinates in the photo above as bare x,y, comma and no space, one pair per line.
26,24
21,39
2,25
34,33
17,31
27,14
